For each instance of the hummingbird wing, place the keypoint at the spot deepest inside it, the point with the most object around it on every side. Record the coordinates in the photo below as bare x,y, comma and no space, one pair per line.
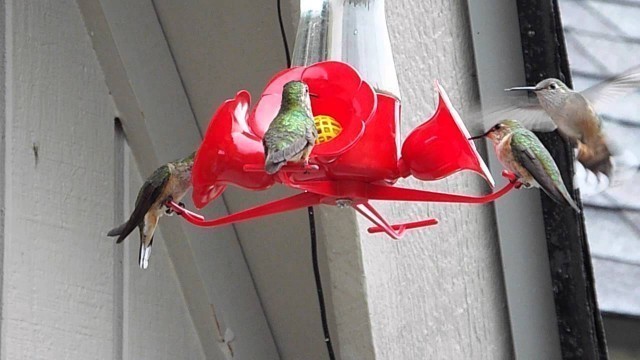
533,156
149,193
530,115
606,92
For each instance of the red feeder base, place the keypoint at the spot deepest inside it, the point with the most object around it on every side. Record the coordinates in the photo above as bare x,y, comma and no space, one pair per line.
353,194
355,160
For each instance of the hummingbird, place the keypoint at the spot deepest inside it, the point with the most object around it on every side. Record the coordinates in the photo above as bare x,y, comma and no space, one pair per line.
575,115
292,133
520,151
168,182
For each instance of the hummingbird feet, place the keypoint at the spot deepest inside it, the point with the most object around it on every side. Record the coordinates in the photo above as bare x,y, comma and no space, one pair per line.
182,205
513,178
305,164
308,167
169,211
519,182
299,168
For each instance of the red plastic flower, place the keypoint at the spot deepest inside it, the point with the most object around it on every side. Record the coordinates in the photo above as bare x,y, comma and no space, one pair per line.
440,147
232,151
340,93
228,146
358,129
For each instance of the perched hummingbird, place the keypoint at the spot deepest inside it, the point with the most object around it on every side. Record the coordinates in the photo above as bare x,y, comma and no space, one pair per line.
520,151
575,114
292,133
169,182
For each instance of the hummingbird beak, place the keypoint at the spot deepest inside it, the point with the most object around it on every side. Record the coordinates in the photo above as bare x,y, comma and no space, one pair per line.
315,96
522,88
479,136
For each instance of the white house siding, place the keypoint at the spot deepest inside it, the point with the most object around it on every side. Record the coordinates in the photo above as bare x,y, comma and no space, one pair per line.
57,271
58,267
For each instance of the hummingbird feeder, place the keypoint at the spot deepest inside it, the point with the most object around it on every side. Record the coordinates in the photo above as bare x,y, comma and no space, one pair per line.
356,157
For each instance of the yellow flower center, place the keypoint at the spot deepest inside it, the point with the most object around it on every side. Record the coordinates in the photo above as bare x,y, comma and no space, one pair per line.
328,128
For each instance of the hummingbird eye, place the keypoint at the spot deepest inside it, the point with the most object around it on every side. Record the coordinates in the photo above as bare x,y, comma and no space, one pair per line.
553,86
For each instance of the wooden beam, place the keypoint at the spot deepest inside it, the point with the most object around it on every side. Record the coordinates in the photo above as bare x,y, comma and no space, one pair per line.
160,126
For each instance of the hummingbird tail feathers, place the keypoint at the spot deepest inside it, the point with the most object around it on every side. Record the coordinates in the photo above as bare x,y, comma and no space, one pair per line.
121,231
569,201
561,196
116,231
595,156
271,167
144,255
277,159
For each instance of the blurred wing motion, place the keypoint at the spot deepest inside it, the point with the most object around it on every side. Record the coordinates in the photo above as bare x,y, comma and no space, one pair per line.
530,115
624,165
606,92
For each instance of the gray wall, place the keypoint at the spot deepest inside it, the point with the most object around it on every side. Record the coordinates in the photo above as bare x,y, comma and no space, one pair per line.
57,271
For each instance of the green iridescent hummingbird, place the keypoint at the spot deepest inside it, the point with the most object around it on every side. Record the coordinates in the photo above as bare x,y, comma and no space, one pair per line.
521,152
292,133
169,182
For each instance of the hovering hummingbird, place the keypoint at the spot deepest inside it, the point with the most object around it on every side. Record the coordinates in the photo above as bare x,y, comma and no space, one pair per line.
169,182
575,115
521,151
292,133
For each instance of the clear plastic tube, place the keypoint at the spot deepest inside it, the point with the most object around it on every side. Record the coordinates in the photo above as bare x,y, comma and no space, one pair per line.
352,31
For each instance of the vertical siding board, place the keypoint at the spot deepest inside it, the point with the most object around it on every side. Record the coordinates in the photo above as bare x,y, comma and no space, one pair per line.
58,278
120,172
5,94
